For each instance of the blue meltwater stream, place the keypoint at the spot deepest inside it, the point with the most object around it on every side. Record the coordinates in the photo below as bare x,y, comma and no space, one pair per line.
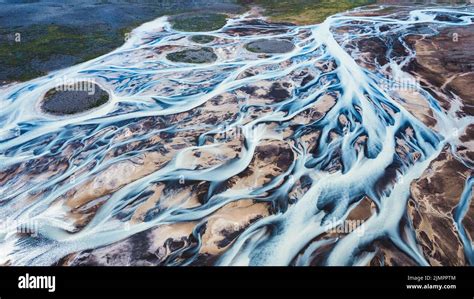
49,158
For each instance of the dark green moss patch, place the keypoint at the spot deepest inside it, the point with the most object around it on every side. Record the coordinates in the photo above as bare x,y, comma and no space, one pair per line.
270,46
202,55
202,39
198,22
65,100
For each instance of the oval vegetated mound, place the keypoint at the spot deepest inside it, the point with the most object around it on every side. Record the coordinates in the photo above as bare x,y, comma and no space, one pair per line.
72,99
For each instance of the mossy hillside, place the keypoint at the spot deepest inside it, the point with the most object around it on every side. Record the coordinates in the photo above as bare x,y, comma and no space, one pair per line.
304,12
40,43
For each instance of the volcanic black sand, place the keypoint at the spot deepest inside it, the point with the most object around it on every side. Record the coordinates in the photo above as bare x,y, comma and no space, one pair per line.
62,102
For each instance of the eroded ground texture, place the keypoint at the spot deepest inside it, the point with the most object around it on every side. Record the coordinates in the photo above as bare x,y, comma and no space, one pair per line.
254,158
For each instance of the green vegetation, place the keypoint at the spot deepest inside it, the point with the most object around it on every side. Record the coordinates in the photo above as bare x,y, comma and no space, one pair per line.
45,48
270,46
65,102
305,11
198,22
203,55
102,100
30,57
202,39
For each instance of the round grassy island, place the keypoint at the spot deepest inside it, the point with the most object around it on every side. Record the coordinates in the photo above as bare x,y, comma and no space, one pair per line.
66,100
201,55
202,39
270,46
